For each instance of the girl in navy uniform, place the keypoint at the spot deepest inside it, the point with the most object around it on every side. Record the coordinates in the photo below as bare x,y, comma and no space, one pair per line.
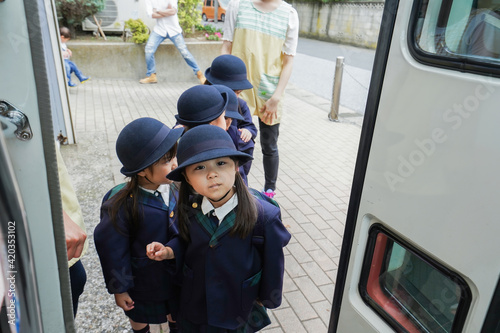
230,71
232,251
133,215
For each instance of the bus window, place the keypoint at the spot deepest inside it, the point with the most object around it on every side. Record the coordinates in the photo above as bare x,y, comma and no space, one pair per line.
410,291
464,34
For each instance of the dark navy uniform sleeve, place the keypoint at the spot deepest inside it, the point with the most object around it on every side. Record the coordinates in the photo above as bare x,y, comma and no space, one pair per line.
113,249
276,237
248,122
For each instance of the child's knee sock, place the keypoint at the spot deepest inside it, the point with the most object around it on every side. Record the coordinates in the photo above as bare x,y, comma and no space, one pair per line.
142,330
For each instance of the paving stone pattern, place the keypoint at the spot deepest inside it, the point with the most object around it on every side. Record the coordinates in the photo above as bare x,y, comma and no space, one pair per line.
317,159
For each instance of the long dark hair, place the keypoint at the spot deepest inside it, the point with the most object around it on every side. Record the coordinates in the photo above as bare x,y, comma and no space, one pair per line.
246,211
128,198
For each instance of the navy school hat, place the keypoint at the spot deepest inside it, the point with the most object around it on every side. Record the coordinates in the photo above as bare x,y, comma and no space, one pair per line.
204,143
143,142
232,102
230,71
200,105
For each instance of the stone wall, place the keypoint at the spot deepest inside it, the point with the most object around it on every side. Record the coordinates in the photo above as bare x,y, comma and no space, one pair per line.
355,23
121,60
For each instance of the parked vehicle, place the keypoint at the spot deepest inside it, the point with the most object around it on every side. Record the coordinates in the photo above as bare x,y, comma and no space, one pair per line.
208,10
420,248
34,284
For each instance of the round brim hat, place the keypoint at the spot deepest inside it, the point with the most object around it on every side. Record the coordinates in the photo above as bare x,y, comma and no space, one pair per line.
143,142
200,105
230,71
232,102
203,143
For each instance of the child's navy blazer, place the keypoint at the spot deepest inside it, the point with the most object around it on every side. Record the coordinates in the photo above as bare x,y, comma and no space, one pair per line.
124,262
240,124
223,274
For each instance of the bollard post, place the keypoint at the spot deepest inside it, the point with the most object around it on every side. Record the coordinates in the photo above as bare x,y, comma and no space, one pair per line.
337,83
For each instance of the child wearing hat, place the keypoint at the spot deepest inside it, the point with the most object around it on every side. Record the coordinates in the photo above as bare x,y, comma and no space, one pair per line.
134,214
210,104
204,104
232,242
230,71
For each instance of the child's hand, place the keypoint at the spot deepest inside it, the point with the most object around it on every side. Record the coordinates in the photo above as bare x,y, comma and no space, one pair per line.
158,251
245,134
124,301
179,126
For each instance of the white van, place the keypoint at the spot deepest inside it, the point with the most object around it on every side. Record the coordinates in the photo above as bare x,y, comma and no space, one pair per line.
420,249
34,282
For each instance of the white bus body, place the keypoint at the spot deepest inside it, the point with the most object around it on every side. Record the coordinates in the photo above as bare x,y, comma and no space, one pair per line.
420,250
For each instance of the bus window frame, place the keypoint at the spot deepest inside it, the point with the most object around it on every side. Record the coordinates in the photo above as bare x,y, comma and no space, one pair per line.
464,64
366,277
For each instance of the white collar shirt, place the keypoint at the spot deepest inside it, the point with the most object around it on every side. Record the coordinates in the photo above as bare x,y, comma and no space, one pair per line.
165,26
164,191
222,211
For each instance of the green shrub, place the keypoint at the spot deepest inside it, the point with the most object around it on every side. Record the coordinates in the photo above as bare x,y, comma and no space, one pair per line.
140,31
189,15
211,33
71,13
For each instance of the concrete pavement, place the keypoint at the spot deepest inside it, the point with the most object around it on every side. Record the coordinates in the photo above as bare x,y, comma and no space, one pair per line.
317,158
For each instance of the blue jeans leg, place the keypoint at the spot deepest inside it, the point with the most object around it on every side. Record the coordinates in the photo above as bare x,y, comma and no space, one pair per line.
73,68
270,155
179,43
154,41
67,67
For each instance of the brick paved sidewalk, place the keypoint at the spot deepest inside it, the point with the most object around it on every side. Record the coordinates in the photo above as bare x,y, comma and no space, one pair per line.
316,166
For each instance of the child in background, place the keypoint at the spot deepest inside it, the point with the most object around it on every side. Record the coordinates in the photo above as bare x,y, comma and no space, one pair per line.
230,71
232,250
203,104
69,65
133,215
232,130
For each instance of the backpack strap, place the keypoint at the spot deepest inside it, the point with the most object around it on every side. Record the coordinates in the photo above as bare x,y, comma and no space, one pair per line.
262,196
258,231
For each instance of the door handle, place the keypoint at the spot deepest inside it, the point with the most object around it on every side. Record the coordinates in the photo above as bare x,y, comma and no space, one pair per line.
9,113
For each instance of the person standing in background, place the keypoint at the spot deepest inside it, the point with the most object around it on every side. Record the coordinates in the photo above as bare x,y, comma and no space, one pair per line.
167,26
264,34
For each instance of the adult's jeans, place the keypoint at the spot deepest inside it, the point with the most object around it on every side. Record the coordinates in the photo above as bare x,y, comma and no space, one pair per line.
271,159
152,45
